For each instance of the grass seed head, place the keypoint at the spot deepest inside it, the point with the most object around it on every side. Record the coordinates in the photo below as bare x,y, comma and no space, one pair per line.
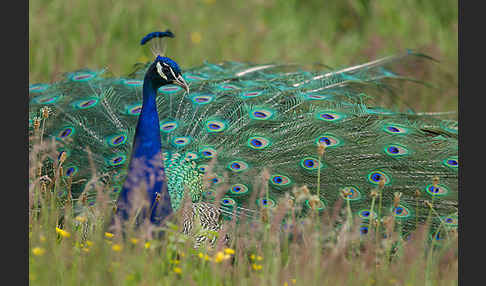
314,202
435,181
381,183
62,158
417,193
321,148
396,198
36,123
45,112
374,193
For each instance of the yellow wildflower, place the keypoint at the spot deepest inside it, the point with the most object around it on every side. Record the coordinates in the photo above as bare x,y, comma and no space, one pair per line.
63,233
85,249
134,240
177,270
116,247
174,261
38,251
204,256
293,281
147,245
89,242
229,251
256,257
220,256
256,267
196,37
109,234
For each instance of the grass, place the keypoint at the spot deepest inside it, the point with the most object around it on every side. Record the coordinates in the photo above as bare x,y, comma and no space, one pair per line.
68,35
68,247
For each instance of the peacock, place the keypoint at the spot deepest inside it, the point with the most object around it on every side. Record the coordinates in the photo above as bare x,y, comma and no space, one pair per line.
314,135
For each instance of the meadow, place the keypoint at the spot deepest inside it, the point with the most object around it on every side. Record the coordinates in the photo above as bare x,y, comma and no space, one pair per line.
75,248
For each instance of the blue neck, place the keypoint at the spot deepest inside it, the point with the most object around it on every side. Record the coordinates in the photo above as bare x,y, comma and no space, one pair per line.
147,135
145,169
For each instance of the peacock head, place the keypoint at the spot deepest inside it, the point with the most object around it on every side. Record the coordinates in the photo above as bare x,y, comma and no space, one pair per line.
165,71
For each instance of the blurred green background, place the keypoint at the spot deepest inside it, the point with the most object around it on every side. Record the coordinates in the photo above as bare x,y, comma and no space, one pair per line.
66,35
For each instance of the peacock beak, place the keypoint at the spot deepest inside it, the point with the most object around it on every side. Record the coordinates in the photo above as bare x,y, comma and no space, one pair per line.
182,83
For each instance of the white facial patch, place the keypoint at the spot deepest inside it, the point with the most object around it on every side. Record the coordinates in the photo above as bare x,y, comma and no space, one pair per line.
159,70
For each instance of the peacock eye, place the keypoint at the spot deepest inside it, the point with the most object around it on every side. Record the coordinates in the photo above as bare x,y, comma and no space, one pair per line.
238,189
215,126
451,221
401,212
262,114
436,190
329,140
395,129
238,166
181,141
207,152
396,150
366,214
71,171
376,176
258,142
330,116
168,126
363,229
203,168
66,132
280,180
451,162
116,160
310,164
266,203
228,202
116,140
